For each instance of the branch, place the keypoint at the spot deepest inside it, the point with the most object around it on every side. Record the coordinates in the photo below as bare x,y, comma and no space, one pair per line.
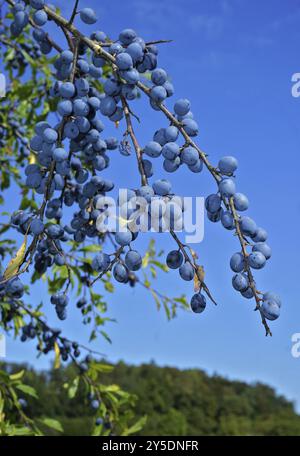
46,327
148,43
74,12
98,49
137,148
114,261
247,267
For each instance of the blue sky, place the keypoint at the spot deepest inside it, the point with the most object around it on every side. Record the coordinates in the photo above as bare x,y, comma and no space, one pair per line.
234,60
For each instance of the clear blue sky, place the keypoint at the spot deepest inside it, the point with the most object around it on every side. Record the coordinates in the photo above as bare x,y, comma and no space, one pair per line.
234,59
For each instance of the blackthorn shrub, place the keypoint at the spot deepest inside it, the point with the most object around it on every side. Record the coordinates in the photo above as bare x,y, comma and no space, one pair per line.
89,81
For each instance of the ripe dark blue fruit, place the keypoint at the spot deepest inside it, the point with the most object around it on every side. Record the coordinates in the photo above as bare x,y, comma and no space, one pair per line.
270,295
101,262
174,259
196,167
257,260
146,192
171,165
215,216
37,226
241,202
60,154
227,187
37,4
65,108
95,404
190,156
55,231
248,226
136,52
148,168
264,248
240,282
108,106
227,220
120,273
170,150
153,149
227,165
36,143
124,61
237,262
15,288
260,235
190,126
182,106
71,130
158,76
50,136
88,16
213,203
123,237
158,94
127,36
133,260
198,303
270,309
98,36
23,403
248,294
40,17
187,271
67,90
162,187
171,133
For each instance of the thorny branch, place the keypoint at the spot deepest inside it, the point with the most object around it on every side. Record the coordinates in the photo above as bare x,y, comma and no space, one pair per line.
99,50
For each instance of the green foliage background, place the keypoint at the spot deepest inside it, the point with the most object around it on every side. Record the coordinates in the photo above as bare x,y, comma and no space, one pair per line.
175,402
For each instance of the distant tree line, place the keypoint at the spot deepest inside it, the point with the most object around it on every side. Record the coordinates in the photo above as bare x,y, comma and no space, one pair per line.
176,402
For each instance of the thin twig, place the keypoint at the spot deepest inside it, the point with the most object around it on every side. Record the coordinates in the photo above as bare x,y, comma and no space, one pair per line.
74,12
137,148
247,267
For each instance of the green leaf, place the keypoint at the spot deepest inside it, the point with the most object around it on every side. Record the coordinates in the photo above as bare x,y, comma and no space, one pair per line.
17,376
15,262
73,388
136,427
145,260
167,310
106,337
102,367
57,356
53,424
27,390
156,299
160,265
109,287
91,248
21,431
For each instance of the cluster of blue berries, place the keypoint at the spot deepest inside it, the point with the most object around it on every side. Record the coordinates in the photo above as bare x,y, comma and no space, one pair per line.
13,288
60,301
95,402
18,61
149,207
164,141
72,153
8,124
253,236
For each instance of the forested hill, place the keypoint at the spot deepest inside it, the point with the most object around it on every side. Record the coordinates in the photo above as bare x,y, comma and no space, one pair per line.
176,402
